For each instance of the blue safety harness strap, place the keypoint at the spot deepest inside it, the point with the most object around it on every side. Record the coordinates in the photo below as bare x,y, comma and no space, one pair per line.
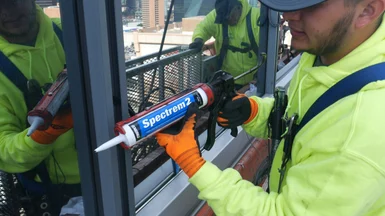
347,86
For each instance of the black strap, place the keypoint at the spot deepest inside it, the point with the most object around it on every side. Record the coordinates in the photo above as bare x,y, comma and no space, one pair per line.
58,33
347,86
225,44
247,48
254,45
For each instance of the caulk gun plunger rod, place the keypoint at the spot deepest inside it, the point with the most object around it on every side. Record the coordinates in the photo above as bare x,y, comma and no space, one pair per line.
112,142
35,122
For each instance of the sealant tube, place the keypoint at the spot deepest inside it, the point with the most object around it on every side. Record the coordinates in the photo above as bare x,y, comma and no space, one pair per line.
141,126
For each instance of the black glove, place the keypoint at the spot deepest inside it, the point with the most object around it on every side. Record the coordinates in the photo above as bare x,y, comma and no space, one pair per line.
197,44
235,112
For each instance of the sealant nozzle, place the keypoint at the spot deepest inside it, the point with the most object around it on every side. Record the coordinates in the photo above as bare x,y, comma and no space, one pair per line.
113,142
35,122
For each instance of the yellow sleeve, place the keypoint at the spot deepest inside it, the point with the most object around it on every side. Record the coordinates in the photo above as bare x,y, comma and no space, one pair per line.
258,127
18,153
328,184
207,28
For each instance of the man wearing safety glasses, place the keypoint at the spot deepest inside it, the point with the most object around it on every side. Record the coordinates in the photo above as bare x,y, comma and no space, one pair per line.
331,159
233,24
31,57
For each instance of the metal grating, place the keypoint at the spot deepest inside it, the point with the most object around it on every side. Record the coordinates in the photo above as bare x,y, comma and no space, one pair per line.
172,75
9,196
176,71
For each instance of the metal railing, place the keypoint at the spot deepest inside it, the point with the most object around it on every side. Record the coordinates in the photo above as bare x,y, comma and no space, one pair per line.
151,57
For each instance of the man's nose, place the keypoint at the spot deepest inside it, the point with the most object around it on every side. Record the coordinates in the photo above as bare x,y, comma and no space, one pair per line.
292,16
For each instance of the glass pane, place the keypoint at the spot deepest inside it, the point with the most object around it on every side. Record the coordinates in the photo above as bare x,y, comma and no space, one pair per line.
33,157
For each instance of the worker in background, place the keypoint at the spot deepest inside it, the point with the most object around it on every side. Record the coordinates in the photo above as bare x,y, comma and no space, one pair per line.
233,24
337,165
31,57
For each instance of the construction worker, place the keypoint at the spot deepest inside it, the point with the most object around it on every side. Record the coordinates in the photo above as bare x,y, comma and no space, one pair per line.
31,57
233,24
334,164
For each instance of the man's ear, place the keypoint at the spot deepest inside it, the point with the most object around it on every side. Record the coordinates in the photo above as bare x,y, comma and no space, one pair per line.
370,11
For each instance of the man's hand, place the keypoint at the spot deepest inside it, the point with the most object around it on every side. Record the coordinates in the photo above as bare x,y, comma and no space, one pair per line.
62,123
197,44
240,110
180,142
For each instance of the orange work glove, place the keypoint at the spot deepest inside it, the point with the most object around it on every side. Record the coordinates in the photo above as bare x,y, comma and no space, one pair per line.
181,144
61,123
240,110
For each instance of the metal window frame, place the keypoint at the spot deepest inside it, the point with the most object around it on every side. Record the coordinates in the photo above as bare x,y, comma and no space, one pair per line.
268,43
94,53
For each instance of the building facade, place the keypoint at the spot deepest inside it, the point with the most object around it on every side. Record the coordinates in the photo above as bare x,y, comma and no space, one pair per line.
153,13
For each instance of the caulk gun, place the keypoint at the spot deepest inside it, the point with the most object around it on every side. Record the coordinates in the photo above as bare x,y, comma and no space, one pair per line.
209,96
40,118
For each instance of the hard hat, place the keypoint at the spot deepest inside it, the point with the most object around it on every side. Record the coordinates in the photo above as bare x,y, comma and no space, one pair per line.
290,5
